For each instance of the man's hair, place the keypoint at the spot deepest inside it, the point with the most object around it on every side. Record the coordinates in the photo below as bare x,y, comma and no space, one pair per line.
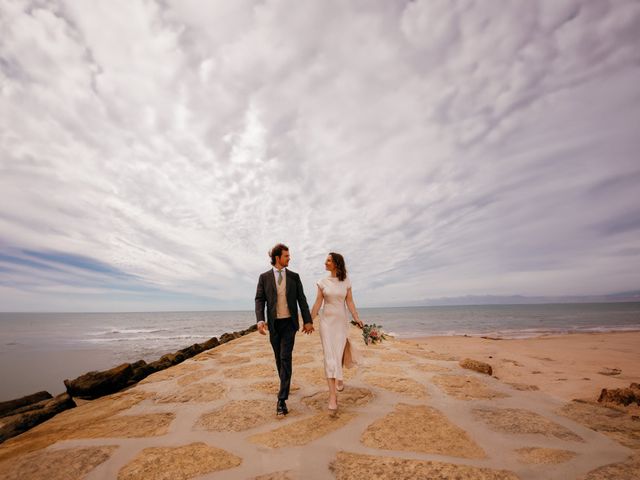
276,251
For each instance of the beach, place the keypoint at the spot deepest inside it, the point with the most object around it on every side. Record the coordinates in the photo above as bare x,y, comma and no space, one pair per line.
409,410
564,366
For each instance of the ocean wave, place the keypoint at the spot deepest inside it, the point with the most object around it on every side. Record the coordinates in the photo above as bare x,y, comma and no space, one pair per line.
146,339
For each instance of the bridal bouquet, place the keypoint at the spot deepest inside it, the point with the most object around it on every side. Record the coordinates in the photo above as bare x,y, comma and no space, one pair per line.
372,333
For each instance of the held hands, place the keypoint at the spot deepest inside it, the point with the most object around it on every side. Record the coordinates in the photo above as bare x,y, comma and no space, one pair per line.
307,328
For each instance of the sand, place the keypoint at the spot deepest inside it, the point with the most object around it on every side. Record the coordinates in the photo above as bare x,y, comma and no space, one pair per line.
564,366
408,411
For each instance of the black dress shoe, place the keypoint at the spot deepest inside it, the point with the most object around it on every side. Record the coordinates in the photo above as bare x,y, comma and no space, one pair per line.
281,408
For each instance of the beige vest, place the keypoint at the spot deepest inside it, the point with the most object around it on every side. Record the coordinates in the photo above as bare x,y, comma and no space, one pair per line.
282,309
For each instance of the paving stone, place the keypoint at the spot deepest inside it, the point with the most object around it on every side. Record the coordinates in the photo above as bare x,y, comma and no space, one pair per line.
178,463
419,428
349,397
239,415
66,464
353,466
303,431
536,455
515,420
405,386
196,393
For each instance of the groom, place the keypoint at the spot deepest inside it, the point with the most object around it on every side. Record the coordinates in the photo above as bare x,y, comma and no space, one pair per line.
281,291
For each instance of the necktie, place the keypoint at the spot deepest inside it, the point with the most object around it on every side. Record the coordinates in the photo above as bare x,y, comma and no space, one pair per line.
279,277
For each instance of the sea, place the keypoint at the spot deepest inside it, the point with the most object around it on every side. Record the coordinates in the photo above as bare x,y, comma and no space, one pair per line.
39,350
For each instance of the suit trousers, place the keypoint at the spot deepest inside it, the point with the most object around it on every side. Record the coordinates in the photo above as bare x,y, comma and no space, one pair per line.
282,336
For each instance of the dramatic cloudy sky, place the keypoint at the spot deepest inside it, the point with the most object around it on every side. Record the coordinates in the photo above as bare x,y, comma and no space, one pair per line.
152,152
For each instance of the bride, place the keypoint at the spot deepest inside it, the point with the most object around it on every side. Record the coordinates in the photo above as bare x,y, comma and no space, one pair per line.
334,292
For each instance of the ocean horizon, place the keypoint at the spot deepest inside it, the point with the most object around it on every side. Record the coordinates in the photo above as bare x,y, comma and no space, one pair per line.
39,350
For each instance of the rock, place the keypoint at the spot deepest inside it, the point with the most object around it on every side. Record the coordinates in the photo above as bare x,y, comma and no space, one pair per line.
181,462
160,364
404,386
16,424
421,429
303,431
191,351
194,377
8,407
70,424
613,421
239,415
540,456
627,470
523,387
173,372
621,396
63,464
520,421
141,370
226,337
356,466
97,384
211,343
477,366
127,426
174,358
193,393
610,371
350,397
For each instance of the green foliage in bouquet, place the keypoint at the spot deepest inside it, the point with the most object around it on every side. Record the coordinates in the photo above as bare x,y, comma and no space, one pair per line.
372,333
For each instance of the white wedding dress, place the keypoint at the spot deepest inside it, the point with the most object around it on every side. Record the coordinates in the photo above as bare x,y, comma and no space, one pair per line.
334,327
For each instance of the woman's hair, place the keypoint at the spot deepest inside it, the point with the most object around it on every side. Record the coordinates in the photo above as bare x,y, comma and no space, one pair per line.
276,251
341,269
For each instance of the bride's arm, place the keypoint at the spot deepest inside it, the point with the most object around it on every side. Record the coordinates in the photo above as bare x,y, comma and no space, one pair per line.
316,306
352,308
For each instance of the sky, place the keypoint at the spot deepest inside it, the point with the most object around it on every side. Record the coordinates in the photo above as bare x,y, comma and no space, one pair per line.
151,153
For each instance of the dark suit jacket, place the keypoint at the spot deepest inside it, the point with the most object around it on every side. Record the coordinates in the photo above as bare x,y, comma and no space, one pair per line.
267,295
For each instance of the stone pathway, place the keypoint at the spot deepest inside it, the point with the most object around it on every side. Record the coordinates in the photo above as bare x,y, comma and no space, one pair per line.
406,413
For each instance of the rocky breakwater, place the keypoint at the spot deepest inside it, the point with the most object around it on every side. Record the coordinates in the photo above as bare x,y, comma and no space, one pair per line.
19,415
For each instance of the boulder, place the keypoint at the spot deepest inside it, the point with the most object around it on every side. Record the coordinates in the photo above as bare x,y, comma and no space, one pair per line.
476,365
97,384
174,358
621,396
16,424
7,408
610,371
252,328
211,343
191,351
141,370
226,337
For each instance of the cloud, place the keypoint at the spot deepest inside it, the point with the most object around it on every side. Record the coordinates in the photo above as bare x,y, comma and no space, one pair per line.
445,147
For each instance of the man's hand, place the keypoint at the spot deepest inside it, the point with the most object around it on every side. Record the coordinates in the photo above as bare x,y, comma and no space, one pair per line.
307,328
262,328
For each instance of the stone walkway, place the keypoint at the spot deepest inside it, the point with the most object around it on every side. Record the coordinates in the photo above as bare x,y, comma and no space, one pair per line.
406,413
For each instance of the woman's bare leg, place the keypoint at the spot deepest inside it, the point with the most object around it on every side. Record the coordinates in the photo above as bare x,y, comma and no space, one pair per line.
333,397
